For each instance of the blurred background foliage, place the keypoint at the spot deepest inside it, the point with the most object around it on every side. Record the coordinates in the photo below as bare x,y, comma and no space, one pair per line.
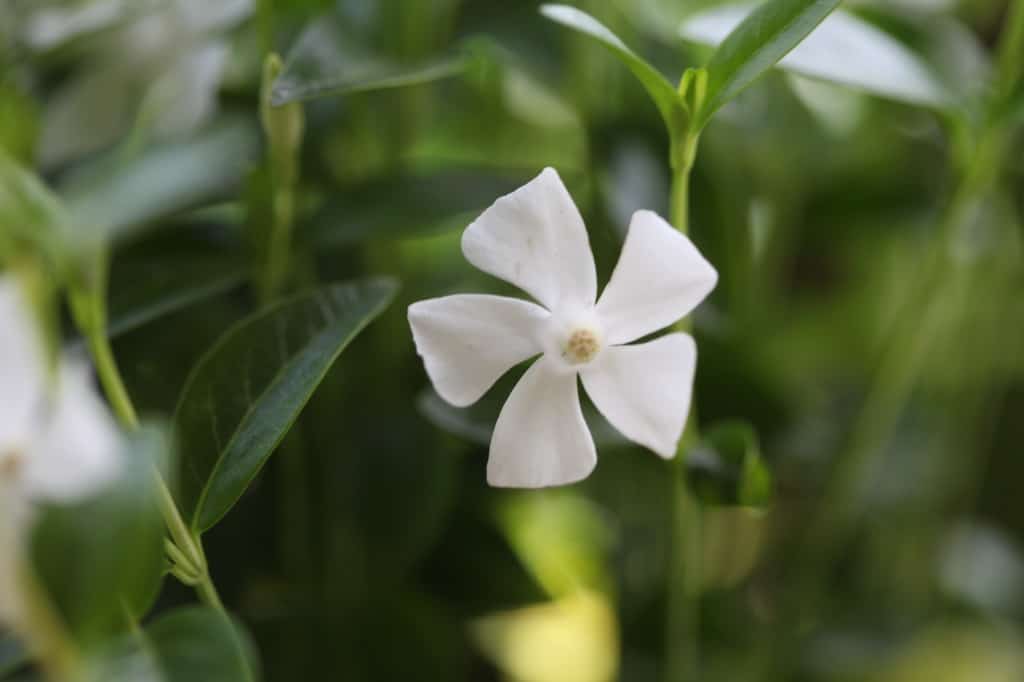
861,375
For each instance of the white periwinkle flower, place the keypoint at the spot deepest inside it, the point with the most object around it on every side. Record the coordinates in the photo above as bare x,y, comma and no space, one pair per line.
167,57
58,441
536,239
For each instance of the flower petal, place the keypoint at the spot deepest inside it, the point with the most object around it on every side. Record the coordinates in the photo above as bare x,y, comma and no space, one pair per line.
535,239
185,95
541,438
644,390
660,277
79,452
22,370
87,114
468,341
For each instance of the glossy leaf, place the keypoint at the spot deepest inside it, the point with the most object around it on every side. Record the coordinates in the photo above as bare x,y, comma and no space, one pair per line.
247,391
760,40
843,49
327,61
111,198
190,644
103,559
665,97
727,467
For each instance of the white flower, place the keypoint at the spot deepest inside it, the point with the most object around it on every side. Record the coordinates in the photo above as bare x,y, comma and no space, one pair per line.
58,442
536,239
168,58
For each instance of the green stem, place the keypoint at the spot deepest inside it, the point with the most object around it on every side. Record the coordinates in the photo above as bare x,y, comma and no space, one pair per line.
110,377
91,315
682,624
1011,49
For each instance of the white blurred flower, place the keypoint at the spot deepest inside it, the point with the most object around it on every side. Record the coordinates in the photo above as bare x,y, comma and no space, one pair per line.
535,238
166,58
58,442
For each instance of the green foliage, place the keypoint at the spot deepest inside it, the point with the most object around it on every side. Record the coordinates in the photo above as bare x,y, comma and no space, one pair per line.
189,644
660,90
728,468
757,44
327,60
129,191
246,392
101,561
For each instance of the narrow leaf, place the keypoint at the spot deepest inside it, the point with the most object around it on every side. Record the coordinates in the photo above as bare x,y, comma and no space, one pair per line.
658,87
843,49
326,60
245,393
109,199
760,40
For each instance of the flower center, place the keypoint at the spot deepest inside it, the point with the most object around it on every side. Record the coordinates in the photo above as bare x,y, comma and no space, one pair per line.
10,464
582,346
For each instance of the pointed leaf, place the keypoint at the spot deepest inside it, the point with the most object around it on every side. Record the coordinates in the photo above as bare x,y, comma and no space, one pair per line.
660,90
764,37
843,49
327,60
247,391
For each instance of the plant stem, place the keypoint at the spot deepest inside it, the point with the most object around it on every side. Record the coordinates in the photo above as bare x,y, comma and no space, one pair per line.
110,377
1011,48
91,314
684,556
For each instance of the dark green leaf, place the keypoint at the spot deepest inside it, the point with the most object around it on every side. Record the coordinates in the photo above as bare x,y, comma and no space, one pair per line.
326,60
165,292
665,97
727,467
104,558
190,644
761,40
245,393
198,643
110,198
431,204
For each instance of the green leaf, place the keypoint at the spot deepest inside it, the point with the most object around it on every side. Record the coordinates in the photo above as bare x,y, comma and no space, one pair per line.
843,49
109,198
756,44
245,393
432,204
190,644
328,60
727,467
665,97
164,292
104,558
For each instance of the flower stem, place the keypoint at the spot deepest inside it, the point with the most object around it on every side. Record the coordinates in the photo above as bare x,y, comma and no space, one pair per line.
684,556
